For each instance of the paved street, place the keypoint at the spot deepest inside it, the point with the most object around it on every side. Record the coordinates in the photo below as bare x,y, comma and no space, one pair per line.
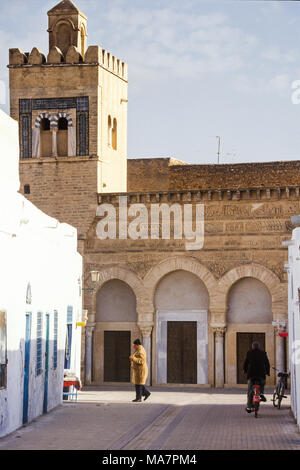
172,419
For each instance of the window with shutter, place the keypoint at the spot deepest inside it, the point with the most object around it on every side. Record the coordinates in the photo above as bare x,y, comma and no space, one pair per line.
69,315
55,336
39,343
68,347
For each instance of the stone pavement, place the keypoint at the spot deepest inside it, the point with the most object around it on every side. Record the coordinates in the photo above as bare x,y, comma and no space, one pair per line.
171,419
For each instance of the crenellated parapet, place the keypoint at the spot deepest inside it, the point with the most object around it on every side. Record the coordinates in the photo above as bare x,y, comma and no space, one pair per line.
36,57
214,194
17,57
67,28
97,55
94,56
55,56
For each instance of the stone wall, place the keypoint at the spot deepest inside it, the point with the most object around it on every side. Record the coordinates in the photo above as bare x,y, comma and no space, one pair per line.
233,176
149,174
250,223
65,190
236,232
163,174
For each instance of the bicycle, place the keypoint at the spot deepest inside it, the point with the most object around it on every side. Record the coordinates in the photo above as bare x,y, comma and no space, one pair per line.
278,394
255,394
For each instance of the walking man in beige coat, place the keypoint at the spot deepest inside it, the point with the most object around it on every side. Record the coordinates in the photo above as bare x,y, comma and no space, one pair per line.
139,371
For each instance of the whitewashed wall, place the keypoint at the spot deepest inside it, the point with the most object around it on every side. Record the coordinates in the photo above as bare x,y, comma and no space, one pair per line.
294,321
34,249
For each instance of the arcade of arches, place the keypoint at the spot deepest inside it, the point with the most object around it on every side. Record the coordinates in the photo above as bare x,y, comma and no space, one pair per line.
196,329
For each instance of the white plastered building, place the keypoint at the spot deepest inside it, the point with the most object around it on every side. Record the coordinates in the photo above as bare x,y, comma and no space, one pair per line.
40,297
293,269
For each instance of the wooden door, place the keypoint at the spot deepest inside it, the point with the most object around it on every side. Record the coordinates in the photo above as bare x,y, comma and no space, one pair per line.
116,356
182,352
243,345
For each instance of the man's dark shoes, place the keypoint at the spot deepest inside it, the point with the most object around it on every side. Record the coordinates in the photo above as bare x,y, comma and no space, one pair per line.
147,396
137,399
248,410
263,398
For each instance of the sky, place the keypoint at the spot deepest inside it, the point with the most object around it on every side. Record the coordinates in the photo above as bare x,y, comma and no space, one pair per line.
198,69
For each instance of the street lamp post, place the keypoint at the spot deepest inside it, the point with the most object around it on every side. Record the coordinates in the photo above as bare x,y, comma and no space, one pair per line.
219,146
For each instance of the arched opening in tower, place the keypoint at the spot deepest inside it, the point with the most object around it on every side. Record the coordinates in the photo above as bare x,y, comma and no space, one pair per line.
62,138
46,138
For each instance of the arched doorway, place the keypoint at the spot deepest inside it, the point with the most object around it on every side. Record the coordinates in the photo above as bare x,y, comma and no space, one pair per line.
249,318
181,303
116,326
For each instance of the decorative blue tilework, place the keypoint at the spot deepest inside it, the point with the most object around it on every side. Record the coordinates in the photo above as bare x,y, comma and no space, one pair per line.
25,119
54,103
25,106
83,103
82,133
26,138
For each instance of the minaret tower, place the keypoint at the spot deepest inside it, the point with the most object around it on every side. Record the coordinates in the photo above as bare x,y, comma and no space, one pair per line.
72,111
67,27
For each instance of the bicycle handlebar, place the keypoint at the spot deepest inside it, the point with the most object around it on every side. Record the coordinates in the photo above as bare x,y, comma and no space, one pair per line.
280,371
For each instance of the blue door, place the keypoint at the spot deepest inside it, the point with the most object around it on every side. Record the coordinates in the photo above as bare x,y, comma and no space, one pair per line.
26,367
45,405
68,348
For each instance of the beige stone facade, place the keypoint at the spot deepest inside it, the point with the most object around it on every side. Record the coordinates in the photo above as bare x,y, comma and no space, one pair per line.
235,284
243,242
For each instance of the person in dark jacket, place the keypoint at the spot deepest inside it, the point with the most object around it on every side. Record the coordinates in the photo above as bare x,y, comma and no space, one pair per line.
256,366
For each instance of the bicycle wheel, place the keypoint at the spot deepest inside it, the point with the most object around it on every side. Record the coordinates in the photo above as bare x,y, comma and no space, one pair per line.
275,398
280,395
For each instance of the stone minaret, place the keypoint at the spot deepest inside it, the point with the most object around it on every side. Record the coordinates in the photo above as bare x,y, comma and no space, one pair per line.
72,110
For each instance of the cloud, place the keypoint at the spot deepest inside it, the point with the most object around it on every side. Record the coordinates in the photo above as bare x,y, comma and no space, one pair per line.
274,54
280,83
259,86
184,43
